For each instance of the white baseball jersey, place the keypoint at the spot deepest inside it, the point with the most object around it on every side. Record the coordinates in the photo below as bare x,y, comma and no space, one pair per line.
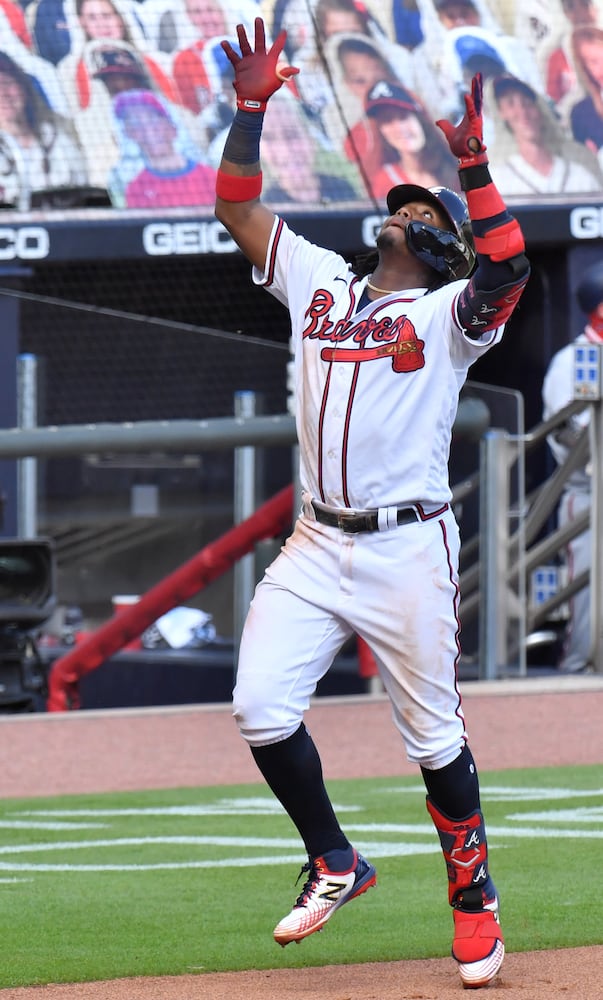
557,392
376,389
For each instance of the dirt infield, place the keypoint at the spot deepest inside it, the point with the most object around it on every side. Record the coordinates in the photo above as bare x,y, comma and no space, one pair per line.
512,724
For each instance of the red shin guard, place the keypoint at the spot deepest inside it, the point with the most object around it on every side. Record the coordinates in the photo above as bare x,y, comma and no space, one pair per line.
466,854
478,944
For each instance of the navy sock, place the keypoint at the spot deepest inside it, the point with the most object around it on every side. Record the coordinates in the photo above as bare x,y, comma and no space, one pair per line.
454,788
293,770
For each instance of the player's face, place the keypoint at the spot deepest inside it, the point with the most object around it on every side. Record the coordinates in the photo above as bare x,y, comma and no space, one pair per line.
418,211
393,230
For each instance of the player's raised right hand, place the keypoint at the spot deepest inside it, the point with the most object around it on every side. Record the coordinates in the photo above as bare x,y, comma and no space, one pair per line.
258,73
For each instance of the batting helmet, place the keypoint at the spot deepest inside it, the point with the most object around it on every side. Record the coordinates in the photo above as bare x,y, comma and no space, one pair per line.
589,292
450,252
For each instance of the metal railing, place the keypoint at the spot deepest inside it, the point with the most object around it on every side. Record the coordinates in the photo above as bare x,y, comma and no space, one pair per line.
506,548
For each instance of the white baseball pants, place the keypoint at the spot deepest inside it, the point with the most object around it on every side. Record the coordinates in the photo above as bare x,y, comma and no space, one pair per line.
398,590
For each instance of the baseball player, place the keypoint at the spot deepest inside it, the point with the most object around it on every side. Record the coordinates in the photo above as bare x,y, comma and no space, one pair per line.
557,392
381,352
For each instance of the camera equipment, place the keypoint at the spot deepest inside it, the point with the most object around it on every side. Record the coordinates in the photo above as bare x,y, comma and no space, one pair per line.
27,600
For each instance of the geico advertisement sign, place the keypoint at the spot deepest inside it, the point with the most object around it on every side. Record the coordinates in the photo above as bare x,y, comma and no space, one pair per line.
586,223
178,238
26,243
161,239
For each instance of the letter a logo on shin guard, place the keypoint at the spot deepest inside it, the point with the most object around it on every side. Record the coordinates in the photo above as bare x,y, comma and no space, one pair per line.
480,875
464,847
473,840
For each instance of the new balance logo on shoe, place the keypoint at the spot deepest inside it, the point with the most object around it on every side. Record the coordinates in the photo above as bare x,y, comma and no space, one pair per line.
323,893
333,892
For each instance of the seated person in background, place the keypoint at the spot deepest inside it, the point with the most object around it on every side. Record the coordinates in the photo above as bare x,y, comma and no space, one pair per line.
303,19
467,14
19,47
331,19
529,151
38,150
199,68
576,499
170,176
110,21
114,68
297,166
559,70
174,25
414,150
586,114
398,21
357,63
467,47
536,22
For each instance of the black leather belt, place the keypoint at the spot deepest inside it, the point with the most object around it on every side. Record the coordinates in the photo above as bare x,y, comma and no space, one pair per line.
352,522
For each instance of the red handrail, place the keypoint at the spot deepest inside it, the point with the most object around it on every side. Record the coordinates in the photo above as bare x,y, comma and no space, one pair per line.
271,519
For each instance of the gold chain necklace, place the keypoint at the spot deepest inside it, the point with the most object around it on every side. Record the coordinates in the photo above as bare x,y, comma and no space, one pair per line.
385,291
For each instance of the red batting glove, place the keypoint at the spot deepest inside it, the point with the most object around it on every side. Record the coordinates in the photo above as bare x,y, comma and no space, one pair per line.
257,74
466,140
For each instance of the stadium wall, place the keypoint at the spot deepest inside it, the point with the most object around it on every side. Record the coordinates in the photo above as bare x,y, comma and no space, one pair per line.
133,297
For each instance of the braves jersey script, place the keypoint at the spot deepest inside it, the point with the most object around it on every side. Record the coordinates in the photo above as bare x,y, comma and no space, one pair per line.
376,388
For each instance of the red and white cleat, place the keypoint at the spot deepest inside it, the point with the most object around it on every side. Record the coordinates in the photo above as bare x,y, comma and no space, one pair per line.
323,893
478,945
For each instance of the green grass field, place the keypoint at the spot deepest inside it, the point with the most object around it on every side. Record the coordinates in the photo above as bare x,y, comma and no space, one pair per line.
192,880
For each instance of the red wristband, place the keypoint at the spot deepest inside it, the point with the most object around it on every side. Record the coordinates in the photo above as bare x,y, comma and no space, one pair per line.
229,187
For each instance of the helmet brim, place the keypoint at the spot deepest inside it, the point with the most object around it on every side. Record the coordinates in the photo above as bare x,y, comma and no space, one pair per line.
402,194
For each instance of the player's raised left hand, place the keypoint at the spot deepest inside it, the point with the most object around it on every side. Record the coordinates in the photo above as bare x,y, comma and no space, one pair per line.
466,140
258,73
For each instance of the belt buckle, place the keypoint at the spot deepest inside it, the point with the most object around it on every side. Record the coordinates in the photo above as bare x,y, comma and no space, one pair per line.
348,521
